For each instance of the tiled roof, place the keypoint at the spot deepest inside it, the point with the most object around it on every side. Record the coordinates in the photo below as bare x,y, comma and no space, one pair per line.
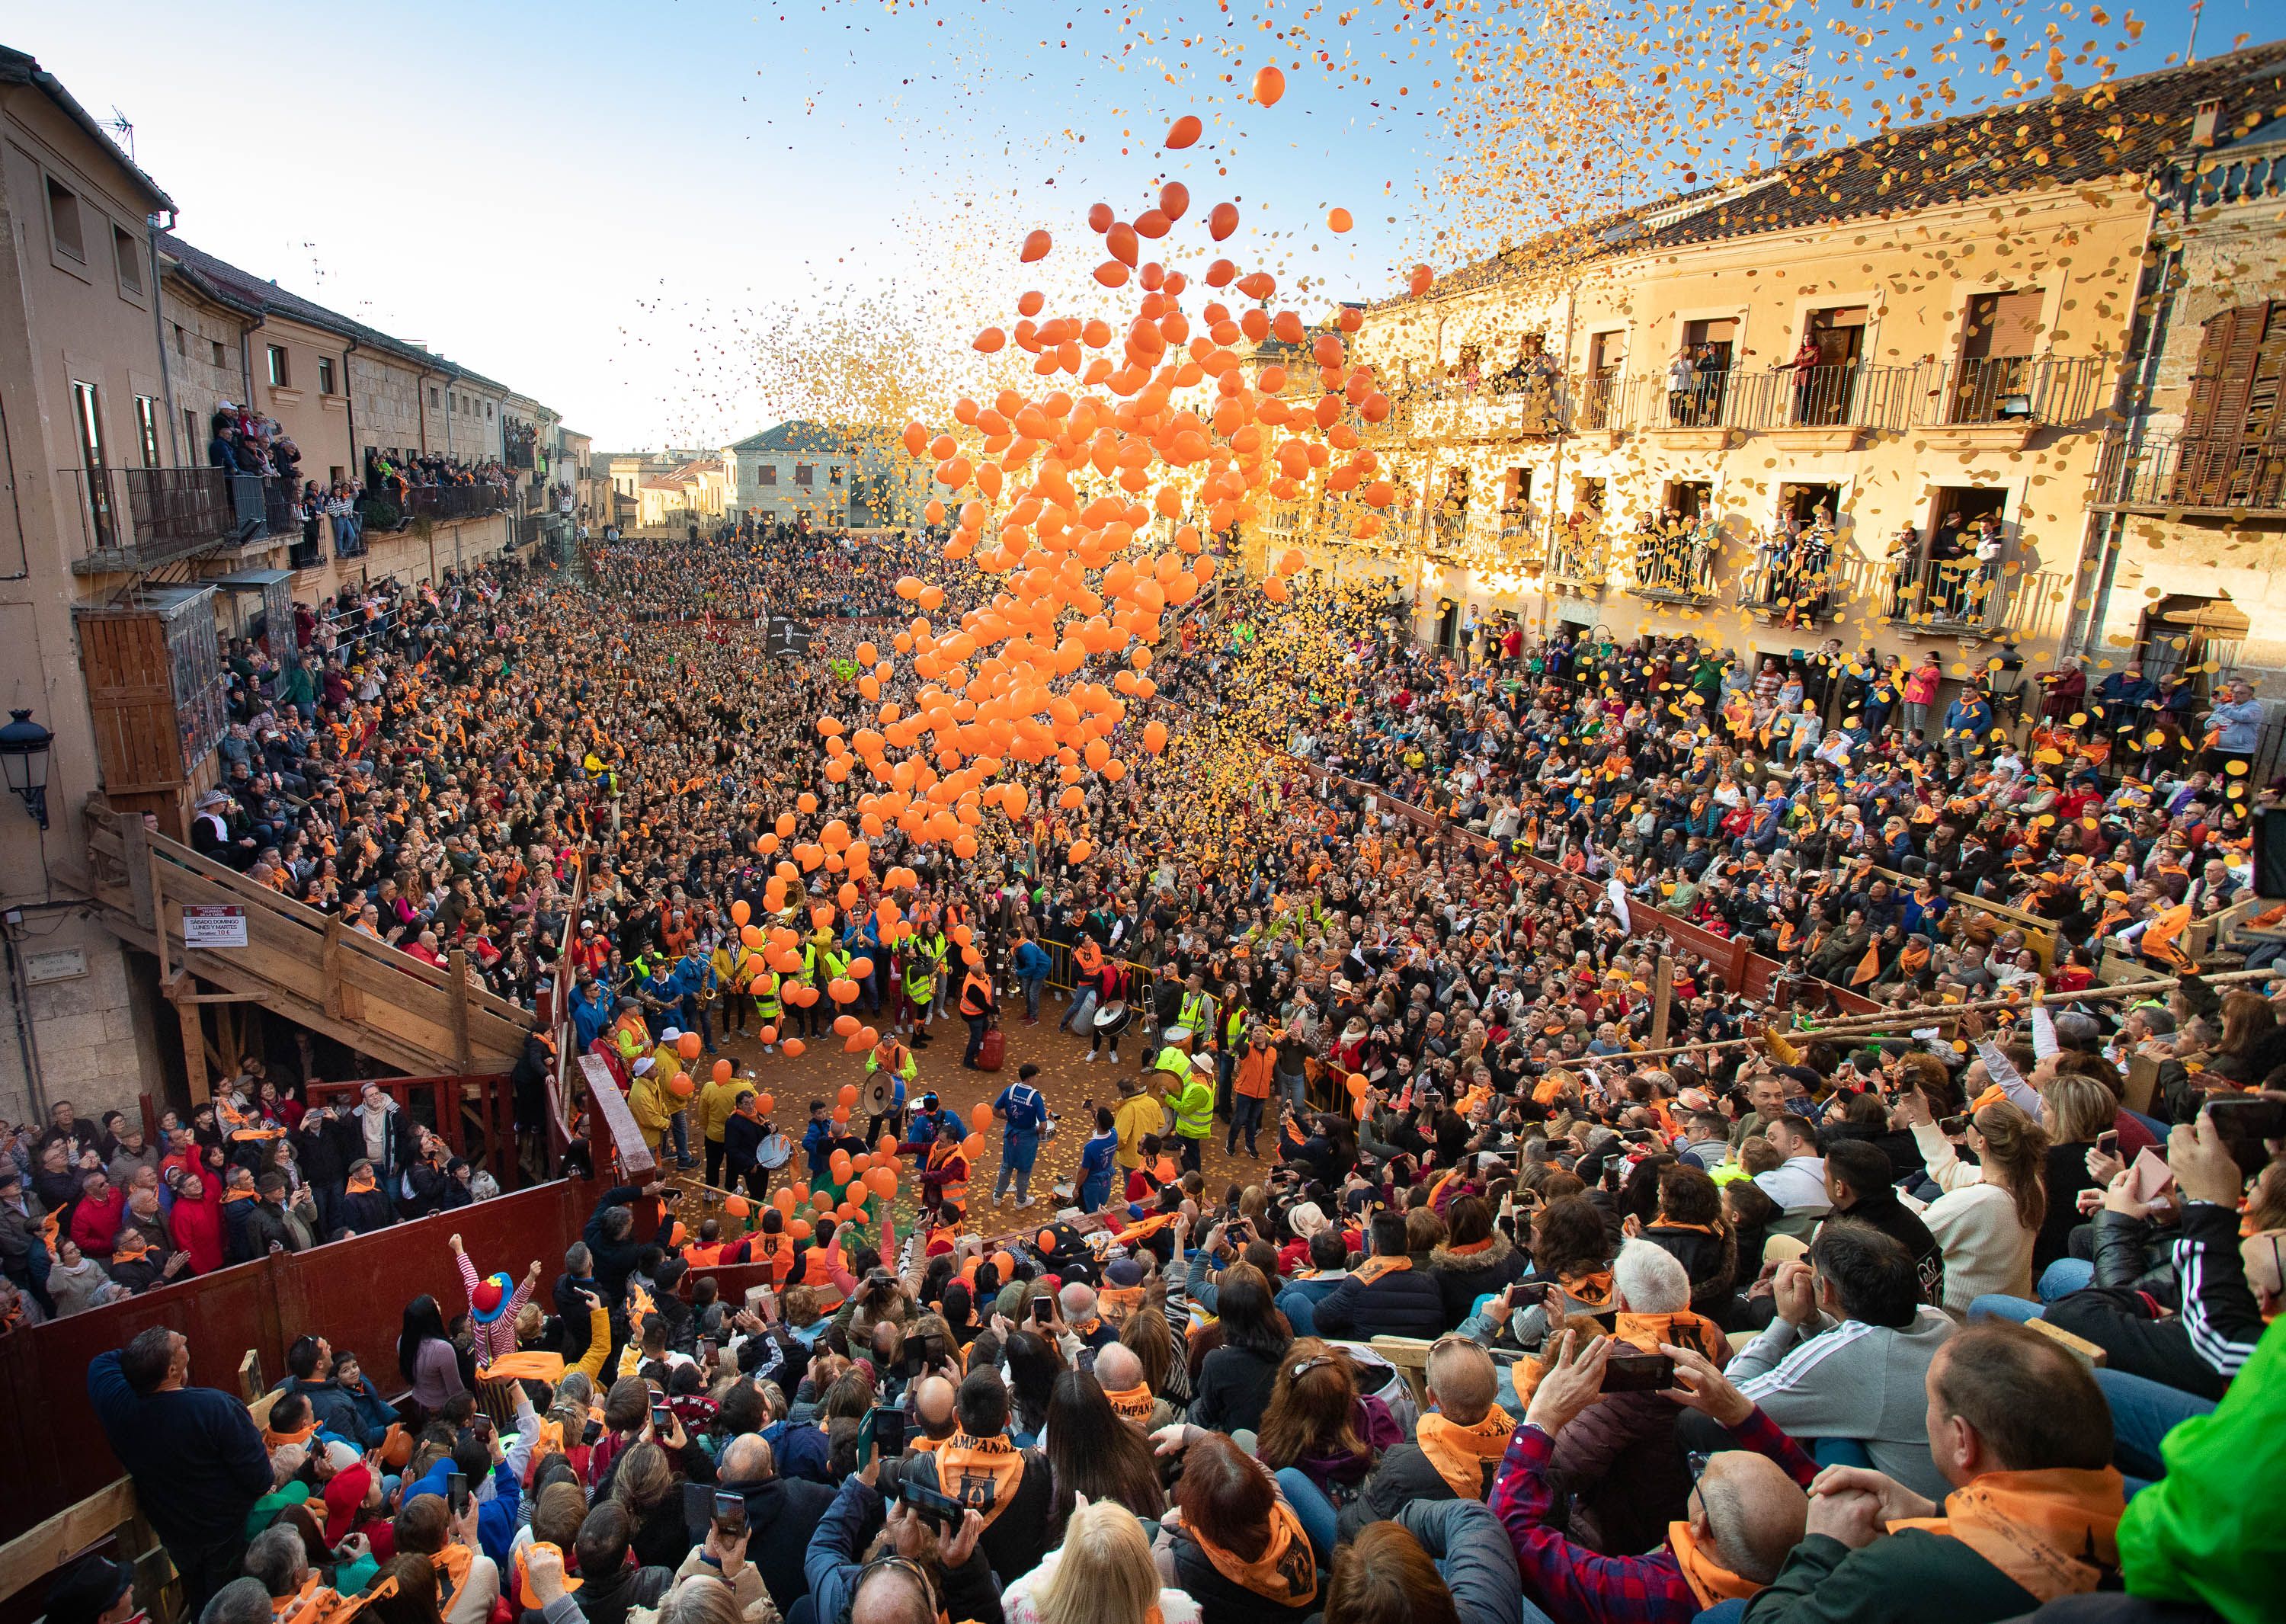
796,435
2073,137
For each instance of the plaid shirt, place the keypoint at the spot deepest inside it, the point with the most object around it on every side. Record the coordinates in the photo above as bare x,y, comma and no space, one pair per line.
1574,1582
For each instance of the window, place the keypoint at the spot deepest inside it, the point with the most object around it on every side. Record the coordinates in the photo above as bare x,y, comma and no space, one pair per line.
87,417
191,438
767,474
146,430
2001,325
325,376
334,474
832,475
1689,499
488,411
281,374
1518,494
182,342
804,474
63,221
215,355
129,253
434,400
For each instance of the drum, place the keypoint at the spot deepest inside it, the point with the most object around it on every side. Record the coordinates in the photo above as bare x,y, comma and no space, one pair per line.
774,1152
877,1095
1112,1019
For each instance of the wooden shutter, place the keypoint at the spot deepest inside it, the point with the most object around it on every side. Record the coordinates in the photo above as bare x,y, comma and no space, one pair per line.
2002,324
2234,406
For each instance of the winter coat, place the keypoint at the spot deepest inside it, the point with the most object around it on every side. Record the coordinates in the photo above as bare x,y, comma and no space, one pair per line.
1463,1277
1401,1302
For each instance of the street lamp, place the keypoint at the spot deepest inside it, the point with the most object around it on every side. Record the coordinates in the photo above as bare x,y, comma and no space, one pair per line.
24,760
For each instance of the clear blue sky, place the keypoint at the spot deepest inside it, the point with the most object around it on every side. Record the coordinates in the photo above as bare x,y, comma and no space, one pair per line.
604,206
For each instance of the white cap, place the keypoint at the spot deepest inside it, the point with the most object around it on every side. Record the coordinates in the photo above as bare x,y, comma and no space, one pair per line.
643,1066
670,1035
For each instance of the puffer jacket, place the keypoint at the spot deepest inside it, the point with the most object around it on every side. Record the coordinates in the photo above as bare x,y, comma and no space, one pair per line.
1407,1302
1463,1277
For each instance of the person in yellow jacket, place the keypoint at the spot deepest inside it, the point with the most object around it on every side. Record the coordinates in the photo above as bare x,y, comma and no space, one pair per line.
651,1104
734,966
768,1011
718,1102
1136,1115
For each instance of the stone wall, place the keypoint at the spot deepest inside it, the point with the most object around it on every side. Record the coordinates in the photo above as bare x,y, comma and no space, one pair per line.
387,396
95,1035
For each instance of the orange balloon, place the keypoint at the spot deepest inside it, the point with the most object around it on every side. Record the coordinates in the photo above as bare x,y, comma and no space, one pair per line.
1269,85
981,1117
798,1228
688,1046
767,1035
1183,131
1036,245
736,1207
973,1146
848,1096
1222,220
782,1198
844,1026
680,1085
741,911
793,1048
1422,276
722,1071
765,1103
1338,220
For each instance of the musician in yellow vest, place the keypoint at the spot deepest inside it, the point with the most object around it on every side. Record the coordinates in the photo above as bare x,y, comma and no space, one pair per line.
768,1009
902,1067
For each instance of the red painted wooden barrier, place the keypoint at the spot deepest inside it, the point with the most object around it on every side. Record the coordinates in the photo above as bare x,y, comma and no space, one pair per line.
351,1292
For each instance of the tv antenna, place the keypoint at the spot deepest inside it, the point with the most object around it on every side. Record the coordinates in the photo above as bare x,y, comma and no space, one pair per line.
122,127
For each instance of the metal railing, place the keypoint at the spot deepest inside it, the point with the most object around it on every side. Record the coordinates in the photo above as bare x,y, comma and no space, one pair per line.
136,518
1677,563
2214,473
1602,401
1949,593
348,534
456,502
2046,391
1578,557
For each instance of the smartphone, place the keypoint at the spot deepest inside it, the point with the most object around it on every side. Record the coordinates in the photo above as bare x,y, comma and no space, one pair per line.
456,1492
2107,1141
1639,1373
1525,1294
1952,1127
730,1515
941,1512
661,1417
2149,1177
888,1431
595,1430
709,1351
868,1426
1043,1309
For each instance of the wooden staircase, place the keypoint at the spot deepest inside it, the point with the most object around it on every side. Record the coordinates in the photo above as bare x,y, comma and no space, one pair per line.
301,963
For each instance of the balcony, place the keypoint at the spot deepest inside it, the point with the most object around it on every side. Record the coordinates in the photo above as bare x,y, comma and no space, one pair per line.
1948,596
1675,566
2002,401
2221,475
1798,591
456,502
1578,560
131,519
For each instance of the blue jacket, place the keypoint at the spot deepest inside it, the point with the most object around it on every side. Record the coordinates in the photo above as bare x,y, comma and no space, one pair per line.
195,1454
496,1519
1031,961
591,1017
1095,1157
817,1142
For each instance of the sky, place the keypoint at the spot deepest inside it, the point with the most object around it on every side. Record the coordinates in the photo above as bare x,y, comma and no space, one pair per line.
660,218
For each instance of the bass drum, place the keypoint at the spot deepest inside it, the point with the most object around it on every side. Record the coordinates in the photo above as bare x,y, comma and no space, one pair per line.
1112,1019
774,1152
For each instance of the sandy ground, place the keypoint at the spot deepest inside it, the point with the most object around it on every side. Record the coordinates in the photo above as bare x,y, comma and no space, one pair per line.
1065,1078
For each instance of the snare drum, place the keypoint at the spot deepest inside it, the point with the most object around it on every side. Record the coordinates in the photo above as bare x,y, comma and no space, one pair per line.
1112,1019
774,1152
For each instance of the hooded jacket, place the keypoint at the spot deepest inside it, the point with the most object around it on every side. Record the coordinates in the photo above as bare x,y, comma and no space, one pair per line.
1397,1302
1463,1277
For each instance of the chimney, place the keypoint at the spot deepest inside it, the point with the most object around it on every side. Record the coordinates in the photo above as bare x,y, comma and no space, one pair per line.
2206,122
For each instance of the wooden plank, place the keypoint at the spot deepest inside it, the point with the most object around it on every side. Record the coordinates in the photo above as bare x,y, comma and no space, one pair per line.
194,1051
249,1376
2087,1352
456,966
31,1557
1662,1001
610,1108
332,967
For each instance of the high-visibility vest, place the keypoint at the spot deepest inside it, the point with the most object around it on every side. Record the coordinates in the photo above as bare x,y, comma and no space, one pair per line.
975,994
1197,1012
955,1190
766,994
816,1272
920,980
1194,1108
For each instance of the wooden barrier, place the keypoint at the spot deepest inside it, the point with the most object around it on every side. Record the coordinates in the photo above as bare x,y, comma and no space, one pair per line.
352,1292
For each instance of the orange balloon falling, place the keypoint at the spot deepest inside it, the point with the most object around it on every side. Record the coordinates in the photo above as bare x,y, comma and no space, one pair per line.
1222,220
1182,132
1338,220
1036,245
1269,85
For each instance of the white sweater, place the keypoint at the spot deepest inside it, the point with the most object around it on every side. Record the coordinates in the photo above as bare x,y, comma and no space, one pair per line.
1986,1249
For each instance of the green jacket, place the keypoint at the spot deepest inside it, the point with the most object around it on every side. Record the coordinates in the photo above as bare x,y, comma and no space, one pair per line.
1914,1577
1194,1108
2210,1530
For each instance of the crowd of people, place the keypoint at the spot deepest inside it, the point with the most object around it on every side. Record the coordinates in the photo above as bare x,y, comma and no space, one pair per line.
95,1211
1729,1328
759,567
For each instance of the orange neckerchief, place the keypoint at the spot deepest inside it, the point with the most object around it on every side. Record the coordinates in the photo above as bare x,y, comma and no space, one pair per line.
979,1472
229,1196
1709,1581
122,1255
1461,1454
452,1570
360,1183
1373,1268
1135,1404
2056,1533
300,1435
1285,1575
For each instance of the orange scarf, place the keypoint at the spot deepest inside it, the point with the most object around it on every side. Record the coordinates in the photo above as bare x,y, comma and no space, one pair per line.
979,1472
122,1255
1135,1404
1461,1453
299,1435
360,1183
1709,1581
1285,1575
452,1565
1373,1268
2056,1533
